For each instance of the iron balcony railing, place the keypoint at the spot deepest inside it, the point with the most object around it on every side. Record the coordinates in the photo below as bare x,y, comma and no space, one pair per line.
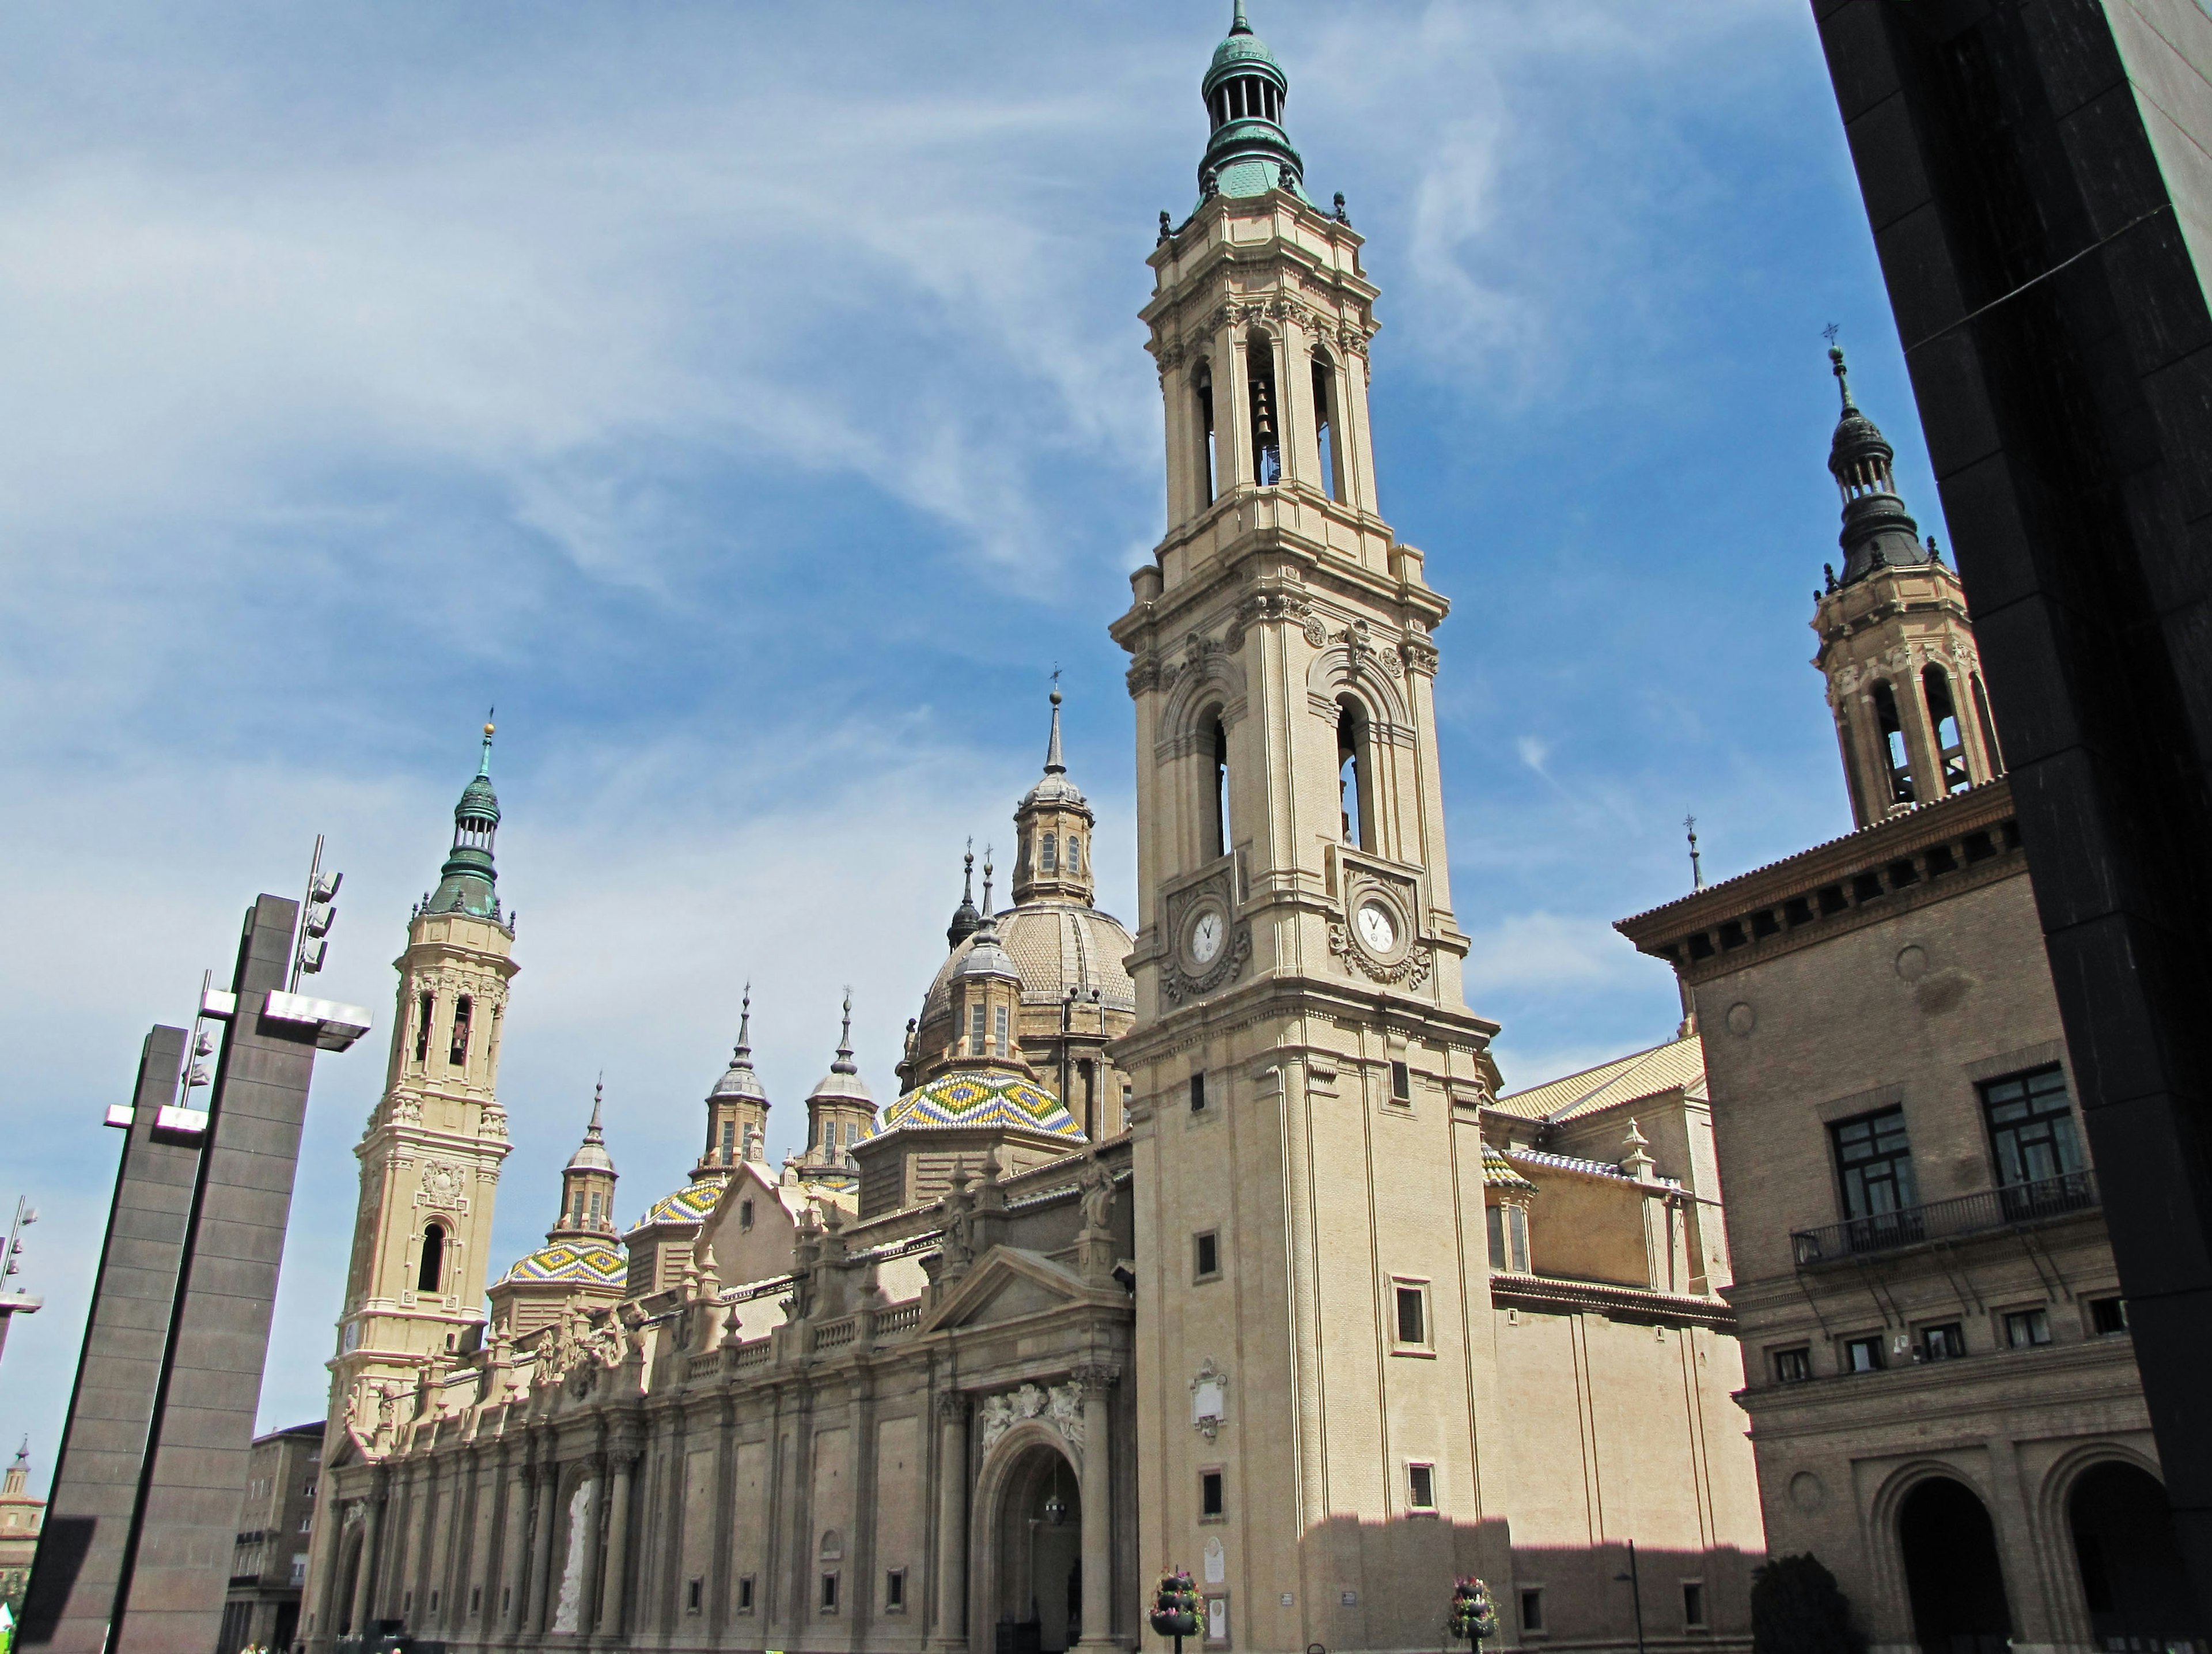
1969,1214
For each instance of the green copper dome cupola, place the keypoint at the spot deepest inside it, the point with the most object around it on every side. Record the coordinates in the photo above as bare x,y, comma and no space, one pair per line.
468,881
1249,152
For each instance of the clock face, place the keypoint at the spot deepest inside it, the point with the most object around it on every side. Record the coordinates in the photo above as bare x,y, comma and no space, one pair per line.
1206,937
1377,927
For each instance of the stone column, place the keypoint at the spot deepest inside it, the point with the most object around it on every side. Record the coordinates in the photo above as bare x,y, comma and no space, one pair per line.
617,1565
952,1521
1097,1491
540,1546
364,1577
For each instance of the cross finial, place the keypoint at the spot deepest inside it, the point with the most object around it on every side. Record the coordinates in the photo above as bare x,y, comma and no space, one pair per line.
1830,332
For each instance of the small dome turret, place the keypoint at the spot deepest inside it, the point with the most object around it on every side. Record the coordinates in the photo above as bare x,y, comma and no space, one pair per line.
1876,533
468,882
737,1108
1249,152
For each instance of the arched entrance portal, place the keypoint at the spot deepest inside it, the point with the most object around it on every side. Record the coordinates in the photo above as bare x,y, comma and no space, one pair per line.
2132,1578
1952,1570
1037,1544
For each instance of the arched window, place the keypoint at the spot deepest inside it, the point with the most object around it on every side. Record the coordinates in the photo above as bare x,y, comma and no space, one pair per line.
459,1054
1201,384
1354,788
1266,410
1989,726
1324,401
1852,781
1893,742
1943,717
1074,853
432,1271
423,1027
1048,855
1217,824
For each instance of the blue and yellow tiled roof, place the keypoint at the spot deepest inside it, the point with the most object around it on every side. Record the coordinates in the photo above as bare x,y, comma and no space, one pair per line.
591,1262
982,1099
685,1206
1498,1172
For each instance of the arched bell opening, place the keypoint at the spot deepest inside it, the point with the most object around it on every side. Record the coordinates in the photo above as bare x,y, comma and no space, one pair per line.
1033,1569
2133,1580
1952,1570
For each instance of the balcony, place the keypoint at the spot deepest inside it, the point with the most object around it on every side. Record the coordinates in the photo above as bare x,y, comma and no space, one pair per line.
1969,1214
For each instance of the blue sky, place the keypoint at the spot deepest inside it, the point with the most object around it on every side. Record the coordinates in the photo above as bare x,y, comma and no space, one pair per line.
749,399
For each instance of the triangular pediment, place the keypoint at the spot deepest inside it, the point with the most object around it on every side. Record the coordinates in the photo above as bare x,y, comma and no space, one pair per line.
1005,1285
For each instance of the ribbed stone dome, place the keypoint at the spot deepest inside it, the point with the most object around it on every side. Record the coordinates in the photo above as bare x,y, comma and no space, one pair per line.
1053,946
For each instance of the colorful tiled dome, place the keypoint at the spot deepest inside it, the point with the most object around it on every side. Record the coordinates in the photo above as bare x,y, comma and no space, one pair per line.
992,1097
685,1206
591,1262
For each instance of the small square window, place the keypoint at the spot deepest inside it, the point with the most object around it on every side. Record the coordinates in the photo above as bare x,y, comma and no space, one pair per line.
2024,1328
2108,1316
1209,1494
1693,1605
1421,1487
828,1593
894,1591
1207,1256
1792,1366
745,1594
1947,1343
1532,1611
1412,1315
1198,1093
1401,1083
1863,1354
694,1594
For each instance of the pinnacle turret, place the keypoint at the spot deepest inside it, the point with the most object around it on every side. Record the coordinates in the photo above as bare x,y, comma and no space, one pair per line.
1876,532
1247,152
468,882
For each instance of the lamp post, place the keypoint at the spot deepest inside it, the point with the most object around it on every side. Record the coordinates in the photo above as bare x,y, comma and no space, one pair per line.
14,1300
1633,1580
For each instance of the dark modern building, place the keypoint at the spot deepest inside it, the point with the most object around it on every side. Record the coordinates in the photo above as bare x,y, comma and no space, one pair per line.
275,1523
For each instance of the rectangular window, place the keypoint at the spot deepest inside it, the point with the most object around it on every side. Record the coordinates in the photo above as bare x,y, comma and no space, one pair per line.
1401,1083
1412,1315
1873,1161
2108,1316
1496,1219
1206,1256
458,1055
476,1601
1002,1047
1198,1093
433,1605
2030,1127
1047,861
694,1594
1420,1487
299,1567
745,1594
2024,1328
894,1591
1693,1605
1792,1366
506,1600
828,1593
1947,1343
1532,1610
976,1031
423,1027
1209,1494
745,1214
729,1135
1863,1354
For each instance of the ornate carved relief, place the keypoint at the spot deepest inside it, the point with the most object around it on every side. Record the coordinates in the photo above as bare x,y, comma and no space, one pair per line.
1060,1406
442,1185
1263,608
1209,1399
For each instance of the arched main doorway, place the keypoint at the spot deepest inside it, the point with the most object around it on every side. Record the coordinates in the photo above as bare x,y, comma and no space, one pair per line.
1952,1570
1037,1561
2132,1577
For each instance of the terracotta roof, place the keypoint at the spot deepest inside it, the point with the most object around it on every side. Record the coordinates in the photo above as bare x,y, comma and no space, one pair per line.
1678,1065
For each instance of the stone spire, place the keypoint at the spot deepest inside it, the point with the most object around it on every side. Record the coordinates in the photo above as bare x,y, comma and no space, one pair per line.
964,917
587,1182
840,1110
1052,827
1876,532
1249,152
737,1108
467,882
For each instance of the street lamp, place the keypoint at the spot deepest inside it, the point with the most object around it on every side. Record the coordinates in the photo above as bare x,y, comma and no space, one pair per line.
1635,1584
14,1300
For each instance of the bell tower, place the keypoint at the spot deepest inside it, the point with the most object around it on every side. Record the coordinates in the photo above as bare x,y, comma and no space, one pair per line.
1306,1076
430,1158
1904,679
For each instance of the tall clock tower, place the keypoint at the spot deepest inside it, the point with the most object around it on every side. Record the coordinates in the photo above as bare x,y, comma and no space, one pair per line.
431,1154
1306,1076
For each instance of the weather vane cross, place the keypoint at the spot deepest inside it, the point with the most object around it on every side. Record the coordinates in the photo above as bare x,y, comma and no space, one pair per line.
1830,332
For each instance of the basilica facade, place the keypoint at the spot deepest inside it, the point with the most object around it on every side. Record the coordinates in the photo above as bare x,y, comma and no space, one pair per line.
1208,1243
